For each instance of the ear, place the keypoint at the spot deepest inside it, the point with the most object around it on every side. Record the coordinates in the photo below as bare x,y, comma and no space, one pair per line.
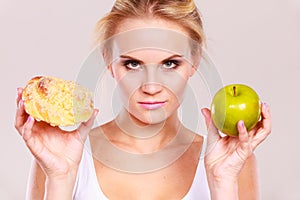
193,70
195,67
196,62
110,68
106,57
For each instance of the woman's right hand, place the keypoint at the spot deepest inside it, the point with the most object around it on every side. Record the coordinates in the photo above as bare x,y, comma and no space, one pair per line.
58,152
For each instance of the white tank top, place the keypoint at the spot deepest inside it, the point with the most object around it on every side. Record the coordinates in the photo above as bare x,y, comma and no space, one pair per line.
87,187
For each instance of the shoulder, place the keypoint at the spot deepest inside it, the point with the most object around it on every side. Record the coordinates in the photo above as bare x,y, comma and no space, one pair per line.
100,130
197,139
196,144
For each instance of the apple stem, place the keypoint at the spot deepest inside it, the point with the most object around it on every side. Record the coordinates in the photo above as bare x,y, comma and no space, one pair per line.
234,91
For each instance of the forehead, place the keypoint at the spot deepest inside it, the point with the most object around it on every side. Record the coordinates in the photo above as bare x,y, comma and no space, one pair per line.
149,22
135,35
150,55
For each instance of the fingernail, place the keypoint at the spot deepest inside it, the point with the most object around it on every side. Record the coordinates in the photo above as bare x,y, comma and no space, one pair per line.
19,90
266,106
20,103
29,119
202,111
242,124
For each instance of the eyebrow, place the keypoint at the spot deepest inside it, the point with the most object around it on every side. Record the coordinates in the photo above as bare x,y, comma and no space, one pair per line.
164,60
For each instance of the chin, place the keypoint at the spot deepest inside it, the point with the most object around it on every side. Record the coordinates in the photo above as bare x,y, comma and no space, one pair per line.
150,117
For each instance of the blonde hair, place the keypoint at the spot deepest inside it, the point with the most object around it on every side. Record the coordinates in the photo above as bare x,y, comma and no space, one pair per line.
184,12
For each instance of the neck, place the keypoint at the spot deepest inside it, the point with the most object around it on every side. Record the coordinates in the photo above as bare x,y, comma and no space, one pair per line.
145,138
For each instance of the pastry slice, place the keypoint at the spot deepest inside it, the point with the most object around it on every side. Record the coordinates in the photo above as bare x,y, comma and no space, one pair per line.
56,101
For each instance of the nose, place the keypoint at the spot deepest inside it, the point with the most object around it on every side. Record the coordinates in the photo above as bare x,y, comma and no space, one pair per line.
151,88
151,85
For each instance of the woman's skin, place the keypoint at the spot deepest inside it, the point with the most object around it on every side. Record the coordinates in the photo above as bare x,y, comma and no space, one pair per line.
230,163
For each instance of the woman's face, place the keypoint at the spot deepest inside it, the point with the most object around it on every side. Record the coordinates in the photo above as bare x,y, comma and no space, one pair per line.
151,82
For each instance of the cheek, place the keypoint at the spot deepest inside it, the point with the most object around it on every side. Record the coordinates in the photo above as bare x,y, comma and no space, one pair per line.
176,85
177,92
117,73
127,87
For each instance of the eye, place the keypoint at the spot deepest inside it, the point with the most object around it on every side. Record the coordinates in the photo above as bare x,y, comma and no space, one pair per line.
132,64
170,64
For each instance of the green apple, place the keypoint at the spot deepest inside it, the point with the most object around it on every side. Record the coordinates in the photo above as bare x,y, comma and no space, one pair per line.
233,103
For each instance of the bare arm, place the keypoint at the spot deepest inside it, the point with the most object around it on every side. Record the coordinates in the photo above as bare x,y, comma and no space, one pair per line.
248,187
36,182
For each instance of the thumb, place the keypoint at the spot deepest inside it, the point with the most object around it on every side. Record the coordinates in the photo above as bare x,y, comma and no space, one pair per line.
208,120
207,115
213,134
85,127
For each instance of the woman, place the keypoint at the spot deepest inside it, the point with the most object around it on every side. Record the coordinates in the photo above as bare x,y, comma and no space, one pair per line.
151,84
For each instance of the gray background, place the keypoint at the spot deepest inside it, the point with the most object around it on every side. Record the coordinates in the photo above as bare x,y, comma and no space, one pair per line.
253,42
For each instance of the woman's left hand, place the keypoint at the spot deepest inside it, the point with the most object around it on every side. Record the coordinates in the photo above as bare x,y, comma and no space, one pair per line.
226,156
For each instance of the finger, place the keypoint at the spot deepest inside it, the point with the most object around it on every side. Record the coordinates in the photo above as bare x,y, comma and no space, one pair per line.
213,135
27,129
245,147
265,128
19,95
85,127
266,121
212,129
243,134
20,113
31,142
21,116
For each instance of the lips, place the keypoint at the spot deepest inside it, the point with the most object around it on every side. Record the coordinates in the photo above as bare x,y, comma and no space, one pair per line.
152,105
